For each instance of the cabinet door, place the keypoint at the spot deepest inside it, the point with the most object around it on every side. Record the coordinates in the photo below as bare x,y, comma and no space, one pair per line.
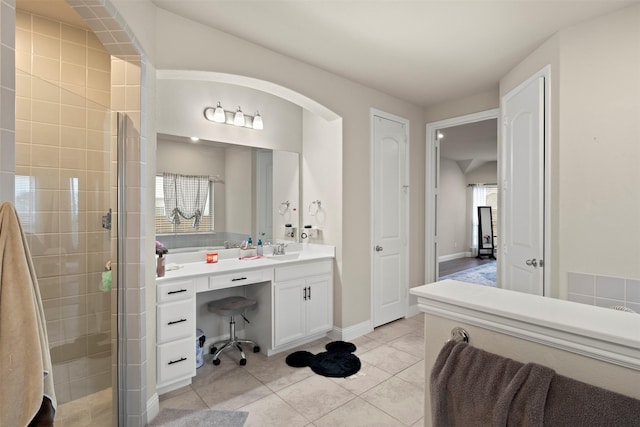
319,304
288,308
176,361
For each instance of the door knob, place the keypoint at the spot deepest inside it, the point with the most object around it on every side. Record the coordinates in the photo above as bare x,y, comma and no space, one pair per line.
532,262
378,248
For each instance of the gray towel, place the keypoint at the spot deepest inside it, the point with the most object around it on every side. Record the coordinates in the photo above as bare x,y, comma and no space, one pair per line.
574,403
471,387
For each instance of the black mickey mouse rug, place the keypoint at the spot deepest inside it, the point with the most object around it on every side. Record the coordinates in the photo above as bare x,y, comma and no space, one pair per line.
337,362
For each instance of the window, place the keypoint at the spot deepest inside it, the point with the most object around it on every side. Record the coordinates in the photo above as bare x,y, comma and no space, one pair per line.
164,226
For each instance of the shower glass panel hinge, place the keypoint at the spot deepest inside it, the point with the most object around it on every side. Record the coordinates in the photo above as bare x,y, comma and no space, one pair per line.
106,220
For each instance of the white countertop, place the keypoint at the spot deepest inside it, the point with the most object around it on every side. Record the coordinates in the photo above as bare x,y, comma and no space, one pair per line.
193,264
564,321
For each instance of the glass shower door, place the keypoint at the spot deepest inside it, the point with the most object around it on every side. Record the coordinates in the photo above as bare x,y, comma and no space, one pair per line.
65,189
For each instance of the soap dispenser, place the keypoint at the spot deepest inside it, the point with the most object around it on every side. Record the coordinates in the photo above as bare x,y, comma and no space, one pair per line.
259,250
249,243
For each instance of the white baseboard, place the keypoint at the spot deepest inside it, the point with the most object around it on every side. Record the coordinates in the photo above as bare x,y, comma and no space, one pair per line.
413,310
454,256
351,332
153,407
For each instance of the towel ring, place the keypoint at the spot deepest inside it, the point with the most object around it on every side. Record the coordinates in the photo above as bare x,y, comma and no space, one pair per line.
318,204
284,206
458,334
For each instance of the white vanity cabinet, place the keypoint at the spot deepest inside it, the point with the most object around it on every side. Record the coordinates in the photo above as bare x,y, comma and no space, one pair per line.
302,301
175,333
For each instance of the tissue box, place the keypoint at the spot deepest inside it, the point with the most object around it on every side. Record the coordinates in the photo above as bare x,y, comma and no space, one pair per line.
250,251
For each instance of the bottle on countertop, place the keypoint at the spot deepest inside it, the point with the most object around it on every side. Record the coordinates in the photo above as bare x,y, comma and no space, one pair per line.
160,268
259,250
249,243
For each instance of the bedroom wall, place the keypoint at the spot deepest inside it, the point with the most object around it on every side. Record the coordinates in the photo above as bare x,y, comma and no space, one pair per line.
452,210
475,103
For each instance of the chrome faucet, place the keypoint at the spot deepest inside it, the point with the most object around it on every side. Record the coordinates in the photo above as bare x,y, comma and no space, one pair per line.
279,249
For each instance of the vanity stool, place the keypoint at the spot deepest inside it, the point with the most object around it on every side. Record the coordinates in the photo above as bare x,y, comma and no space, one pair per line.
231,306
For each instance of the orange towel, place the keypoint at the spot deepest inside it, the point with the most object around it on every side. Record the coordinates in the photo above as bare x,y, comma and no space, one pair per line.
25,361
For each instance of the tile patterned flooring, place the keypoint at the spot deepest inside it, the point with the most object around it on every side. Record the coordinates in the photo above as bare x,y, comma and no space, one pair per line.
387,391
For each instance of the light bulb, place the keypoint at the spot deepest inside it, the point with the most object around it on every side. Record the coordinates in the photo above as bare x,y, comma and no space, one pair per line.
218,114
257,121
238,118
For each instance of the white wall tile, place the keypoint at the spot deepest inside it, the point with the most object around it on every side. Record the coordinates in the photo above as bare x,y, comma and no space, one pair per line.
582,299
610,287
607,302
632,291
634,306
584,284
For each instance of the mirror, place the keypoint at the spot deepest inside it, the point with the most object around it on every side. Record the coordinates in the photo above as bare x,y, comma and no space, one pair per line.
256,192
485,232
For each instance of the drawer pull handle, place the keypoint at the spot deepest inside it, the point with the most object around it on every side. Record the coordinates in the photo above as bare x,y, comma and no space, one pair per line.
173,322
238,278
176,292
182,359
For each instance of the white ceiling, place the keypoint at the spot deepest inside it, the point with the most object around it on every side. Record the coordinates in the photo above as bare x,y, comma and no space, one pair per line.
424,51
470,145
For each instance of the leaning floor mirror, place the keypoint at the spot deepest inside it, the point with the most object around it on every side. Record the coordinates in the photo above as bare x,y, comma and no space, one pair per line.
485,233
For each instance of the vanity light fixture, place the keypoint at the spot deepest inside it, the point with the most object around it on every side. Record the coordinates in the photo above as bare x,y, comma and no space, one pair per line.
218,114
257,121
194,139
237,118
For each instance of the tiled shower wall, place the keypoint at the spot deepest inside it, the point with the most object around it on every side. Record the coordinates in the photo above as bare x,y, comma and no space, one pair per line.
604,291
7,99
63,162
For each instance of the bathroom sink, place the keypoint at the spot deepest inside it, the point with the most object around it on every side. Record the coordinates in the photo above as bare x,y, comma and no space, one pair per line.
284,257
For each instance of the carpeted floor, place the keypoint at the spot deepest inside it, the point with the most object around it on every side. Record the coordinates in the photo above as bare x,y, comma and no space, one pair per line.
482,275
193,418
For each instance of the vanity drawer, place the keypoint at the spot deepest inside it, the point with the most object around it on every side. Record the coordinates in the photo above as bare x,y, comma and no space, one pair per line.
239,279
175,320
302,270
175,290
177,360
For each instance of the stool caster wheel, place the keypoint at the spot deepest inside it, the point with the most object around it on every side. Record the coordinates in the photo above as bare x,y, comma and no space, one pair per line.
243,362
256,349
213,350
216,362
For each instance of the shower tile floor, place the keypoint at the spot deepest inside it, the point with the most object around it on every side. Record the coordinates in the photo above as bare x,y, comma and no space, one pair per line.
387,391
94,410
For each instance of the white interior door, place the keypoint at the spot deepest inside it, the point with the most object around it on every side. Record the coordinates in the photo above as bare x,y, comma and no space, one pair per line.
523,186
389,219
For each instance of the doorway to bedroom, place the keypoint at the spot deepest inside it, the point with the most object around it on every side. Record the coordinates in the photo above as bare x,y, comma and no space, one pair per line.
464,158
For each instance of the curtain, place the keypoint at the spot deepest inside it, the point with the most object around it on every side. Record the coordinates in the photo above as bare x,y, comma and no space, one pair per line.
185,196
477,196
